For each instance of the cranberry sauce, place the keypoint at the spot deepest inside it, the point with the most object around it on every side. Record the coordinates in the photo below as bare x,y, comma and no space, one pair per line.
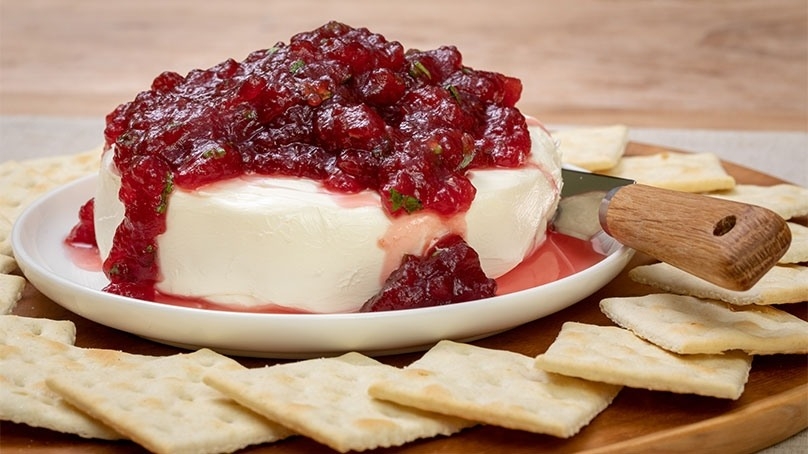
340,105
448,273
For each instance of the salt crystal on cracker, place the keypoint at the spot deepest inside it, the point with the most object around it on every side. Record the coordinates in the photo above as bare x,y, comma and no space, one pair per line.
164,406
593,149
688,325
798,249
787,200
687,172
780,285
11,287
615,355
326,399
31,350
496,387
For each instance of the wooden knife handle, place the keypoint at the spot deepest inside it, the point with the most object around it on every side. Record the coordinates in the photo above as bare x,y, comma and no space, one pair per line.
728,243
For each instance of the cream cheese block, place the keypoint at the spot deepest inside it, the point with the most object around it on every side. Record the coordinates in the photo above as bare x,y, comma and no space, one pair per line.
254,241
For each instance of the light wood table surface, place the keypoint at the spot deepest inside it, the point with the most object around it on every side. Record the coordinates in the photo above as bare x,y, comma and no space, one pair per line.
722,66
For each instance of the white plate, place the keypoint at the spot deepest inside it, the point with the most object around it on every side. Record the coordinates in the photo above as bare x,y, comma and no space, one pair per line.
37,239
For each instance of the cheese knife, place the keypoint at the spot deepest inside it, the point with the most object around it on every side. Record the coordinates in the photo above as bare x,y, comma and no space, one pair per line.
727,243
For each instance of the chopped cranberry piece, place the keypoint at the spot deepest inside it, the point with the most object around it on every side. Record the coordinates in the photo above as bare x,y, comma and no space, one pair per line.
84,232
448,273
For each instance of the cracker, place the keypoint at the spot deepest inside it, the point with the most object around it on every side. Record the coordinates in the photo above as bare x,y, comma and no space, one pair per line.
164,406
63,331
780,285
615,355
5,236
31,350
22,182
496,387
798,249
593,148
687,172
11,287
787,200
326,399
7,264
688,325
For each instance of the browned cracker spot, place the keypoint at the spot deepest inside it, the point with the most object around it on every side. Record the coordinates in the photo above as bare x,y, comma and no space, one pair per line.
496,387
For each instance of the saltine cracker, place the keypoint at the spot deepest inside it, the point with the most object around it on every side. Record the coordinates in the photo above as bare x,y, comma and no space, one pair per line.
615,355
690,325
496,387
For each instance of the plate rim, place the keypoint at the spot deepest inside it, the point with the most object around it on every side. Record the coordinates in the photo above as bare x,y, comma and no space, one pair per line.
48,281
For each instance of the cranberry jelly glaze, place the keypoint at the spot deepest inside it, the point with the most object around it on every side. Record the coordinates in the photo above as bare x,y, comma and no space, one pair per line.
339,105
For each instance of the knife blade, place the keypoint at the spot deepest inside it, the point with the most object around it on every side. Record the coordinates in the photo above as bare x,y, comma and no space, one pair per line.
727,243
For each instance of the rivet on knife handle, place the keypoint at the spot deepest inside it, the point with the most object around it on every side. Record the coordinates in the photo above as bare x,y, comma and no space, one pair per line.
727,243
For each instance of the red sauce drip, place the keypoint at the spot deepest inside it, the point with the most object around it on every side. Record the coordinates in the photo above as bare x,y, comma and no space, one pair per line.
558,257
340,105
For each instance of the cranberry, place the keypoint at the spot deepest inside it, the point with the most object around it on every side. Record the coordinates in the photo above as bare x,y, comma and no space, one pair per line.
84,232
448,273
340,105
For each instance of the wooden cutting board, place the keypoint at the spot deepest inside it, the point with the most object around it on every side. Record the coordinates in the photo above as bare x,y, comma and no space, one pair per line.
773,407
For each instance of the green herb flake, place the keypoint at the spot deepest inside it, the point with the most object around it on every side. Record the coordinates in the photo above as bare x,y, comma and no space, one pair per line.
250,114
455,93
467,158
126,139
418,69
167,189
215,153
409,203
296,66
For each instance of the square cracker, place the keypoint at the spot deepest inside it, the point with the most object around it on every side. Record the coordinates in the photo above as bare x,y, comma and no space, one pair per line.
326,399
592,148
5,236
688,325
615,355
780,285
11,287
496,387
687,172
7,264
63,331
798,249
22,182
31,350
787,200
164,406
